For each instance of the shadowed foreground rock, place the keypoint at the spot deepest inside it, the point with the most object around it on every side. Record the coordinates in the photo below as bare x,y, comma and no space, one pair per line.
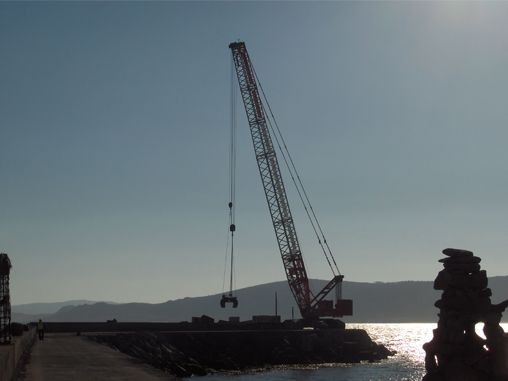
456,352
197,353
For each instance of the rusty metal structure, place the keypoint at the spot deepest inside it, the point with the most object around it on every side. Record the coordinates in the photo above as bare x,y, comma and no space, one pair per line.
5,300
312,306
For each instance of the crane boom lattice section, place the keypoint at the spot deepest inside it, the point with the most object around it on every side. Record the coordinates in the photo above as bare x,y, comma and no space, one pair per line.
271,178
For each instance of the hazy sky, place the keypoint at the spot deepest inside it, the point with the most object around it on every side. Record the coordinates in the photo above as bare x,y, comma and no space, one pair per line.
114,123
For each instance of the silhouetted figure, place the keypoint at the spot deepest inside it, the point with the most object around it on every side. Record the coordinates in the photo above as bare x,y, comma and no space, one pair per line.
40,329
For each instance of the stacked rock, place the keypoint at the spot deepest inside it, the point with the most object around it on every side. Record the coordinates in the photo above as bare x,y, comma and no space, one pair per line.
456,352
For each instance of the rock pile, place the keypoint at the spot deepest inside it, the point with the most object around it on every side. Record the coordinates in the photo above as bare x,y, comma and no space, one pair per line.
456,352
240,351
153,348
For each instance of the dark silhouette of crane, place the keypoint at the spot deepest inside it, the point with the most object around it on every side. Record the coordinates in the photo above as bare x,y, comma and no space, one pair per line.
311,306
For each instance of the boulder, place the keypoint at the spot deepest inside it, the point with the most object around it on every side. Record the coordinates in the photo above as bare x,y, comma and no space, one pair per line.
443,280
462,267
467,260
457,253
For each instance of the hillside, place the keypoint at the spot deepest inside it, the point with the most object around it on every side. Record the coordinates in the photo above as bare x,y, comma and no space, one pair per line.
25,313
47,308
397,302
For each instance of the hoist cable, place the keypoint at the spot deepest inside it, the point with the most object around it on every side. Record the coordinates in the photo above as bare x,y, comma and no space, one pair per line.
232,185
232,146
232,174
305,202
232,268
225,263
277,133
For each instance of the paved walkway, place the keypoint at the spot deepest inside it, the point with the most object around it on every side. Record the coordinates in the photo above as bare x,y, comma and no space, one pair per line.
62,356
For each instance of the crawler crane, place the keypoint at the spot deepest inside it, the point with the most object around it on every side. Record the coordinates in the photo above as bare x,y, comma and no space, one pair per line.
311,306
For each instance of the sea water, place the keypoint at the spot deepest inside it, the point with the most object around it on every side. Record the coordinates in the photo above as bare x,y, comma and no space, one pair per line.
406,365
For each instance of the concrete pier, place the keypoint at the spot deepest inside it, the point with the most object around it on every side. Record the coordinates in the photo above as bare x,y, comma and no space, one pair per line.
66,356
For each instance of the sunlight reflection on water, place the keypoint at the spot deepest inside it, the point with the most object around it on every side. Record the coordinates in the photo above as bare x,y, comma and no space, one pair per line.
407,339
407,365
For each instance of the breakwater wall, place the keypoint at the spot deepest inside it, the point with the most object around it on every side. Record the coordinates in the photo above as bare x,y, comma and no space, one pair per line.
244,349
11,354
189,353
84,327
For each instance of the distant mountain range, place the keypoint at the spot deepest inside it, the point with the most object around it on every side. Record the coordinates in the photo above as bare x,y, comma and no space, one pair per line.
49,308
397,302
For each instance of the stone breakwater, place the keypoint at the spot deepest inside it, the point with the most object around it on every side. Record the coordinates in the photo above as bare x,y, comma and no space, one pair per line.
184,354
154,349
456,352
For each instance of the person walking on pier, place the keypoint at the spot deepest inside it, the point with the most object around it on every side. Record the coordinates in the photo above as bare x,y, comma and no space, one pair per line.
40,329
